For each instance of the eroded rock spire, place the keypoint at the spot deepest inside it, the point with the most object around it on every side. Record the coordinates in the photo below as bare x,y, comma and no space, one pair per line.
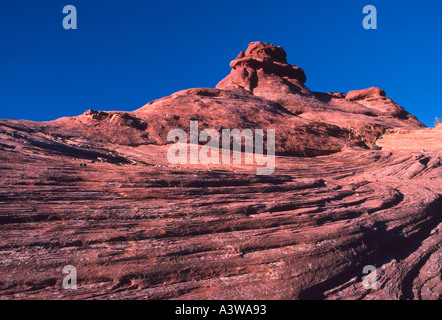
263,70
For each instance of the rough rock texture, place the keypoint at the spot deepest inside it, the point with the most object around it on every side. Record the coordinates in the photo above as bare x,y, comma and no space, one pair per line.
263,70
364,115
365,94
96,191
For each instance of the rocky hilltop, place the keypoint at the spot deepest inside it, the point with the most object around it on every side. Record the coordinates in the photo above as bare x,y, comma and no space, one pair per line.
357,183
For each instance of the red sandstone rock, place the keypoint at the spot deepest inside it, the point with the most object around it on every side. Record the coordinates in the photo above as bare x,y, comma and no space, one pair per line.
365,94
96,191
263,71
263,68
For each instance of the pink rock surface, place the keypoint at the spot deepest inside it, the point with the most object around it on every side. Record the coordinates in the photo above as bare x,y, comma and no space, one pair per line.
263,68
96,191
365,94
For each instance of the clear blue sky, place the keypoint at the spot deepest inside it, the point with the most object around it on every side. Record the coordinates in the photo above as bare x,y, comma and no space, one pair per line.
127,53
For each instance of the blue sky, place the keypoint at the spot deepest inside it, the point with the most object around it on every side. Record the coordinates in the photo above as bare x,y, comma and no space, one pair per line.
127,53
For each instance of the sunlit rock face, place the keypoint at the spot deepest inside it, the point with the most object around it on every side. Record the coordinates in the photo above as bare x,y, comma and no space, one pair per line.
357,183
263,70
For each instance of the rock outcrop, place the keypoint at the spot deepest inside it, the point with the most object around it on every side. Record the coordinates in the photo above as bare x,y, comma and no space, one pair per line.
97,192
365,94
262,70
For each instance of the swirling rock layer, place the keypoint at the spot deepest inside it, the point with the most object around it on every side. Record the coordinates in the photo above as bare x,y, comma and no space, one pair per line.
96,192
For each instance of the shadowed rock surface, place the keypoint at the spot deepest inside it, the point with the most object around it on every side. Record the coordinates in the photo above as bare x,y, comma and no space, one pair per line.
97,192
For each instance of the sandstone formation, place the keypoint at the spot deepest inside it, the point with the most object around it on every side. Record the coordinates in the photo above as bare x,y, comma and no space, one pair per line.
97,192
365,94
263,70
